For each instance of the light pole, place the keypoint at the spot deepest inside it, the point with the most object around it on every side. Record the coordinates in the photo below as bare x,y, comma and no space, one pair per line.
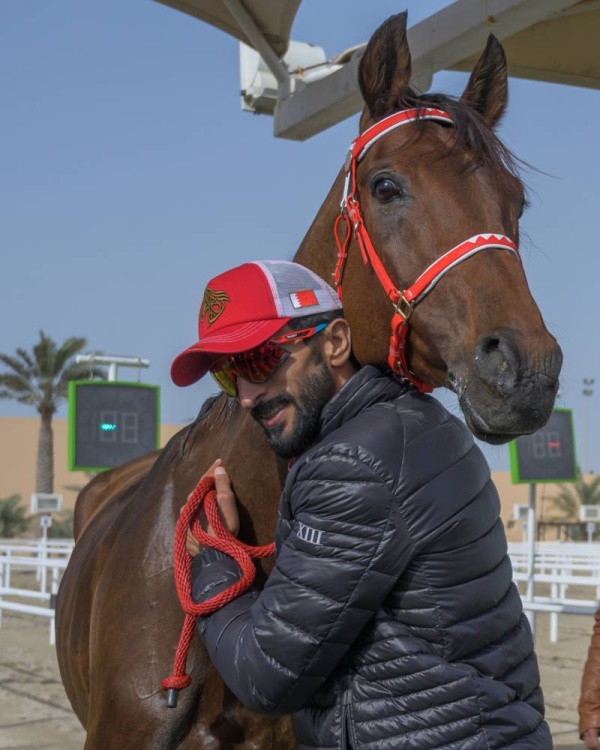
588,390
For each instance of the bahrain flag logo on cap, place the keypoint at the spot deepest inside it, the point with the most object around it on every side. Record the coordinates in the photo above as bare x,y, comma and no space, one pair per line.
306,298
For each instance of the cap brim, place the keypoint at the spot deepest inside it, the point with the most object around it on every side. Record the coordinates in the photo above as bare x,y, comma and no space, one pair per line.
193,363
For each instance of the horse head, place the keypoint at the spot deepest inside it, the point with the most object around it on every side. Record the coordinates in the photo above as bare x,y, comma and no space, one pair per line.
441,182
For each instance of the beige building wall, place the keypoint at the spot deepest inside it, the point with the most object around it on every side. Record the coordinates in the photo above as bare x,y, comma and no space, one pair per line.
18,453
513,494
18,456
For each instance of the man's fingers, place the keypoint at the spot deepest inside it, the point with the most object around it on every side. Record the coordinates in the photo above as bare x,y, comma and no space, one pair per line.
226,500
210,472
222,482
191,544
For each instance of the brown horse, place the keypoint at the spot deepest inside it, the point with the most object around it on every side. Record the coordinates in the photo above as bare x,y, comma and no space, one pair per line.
424,188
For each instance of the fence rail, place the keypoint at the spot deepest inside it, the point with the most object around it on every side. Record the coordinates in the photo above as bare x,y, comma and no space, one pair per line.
561,565
47,560
558,565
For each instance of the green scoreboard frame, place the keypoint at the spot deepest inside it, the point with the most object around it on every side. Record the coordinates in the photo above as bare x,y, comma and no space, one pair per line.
547,455
111,422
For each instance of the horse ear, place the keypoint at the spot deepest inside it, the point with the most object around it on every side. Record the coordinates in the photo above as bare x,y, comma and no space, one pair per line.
487,90
385,67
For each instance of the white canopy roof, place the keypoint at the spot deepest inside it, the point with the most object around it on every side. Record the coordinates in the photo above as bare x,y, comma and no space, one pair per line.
273,18
561,49
544,40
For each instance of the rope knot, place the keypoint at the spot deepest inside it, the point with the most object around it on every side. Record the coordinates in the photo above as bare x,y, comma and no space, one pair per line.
204,495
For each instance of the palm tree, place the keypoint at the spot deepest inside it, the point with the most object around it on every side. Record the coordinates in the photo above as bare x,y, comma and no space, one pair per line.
13,518
40,378
62,525
571,497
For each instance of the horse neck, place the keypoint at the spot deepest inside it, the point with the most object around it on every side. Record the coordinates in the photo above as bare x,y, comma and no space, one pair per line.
318,250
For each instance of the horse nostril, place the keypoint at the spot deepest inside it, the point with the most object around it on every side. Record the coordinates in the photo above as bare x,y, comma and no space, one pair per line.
497,360
491,345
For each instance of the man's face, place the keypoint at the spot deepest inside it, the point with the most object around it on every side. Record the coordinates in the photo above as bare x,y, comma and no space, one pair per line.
288,405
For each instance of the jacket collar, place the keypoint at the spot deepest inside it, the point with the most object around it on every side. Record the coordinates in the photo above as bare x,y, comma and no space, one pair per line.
367,387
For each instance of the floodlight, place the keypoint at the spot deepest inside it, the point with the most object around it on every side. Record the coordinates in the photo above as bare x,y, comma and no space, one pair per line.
305,62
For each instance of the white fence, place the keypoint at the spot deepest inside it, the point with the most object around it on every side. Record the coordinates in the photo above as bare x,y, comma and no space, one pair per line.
46,561
560,565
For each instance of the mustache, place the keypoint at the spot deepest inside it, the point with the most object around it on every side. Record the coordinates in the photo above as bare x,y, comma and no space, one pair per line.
266,409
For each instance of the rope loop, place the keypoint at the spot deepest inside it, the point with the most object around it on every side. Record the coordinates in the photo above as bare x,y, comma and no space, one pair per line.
204,497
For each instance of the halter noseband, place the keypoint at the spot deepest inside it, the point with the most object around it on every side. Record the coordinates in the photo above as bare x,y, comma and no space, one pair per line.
405,300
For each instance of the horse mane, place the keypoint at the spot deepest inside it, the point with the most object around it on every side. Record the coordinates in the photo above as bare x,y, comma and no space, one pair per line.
219,407
209,406
484,147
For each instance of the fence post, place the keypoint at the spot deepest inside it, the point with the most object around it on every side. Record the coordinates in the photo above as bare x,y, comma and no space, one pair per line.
2,565
531,534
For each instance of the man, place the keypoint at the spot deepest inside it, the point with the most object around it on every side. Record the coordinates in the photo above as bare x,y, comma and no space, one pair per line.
390,620
589,699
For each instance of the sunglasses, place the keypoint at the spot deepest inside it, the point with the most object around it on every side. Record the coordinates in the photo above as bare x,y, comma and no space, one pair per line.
258,364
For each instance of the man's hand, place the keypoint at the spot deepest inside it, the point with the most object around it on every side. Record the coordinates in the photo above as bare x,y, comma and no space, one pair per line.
590,737
226,503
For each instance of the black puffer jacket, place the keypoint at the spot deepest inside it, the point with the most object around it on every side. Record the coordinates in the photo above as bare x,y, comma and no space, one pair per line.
390,621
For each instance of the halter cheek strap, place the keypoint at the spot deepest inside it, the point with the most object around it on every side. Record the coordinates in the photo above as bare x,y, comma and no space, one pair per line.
405,300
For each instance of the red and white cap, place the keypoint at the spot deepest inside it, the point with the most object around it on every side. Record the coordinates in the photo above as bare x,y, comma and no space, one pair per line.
245,306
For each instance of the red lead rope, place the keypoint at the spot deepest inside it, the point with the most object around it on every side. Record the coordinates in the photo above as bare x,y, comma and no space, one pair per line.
204,493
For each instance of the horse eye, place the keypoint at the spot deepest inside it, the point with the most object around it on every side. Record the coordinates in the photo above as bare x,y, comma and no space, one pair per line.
524,205
385,190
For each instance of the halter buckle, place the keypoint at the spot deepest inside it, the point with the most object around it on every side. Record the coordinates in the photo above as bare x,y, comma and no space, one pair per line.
403,307
352,208
348,160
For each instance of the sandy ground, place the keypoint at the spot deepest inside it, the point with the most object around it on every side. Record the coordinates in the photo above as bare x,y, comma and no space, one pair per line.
35,713
34,710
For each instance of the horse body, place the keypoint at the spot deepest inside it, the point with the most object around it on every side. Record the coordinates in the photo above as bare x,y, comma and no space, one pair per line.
122,567
422,191
107,486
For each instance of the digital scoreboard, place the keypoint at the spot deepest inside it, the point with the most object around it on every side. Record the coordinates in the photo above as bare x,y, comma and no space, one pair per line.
547,455
111,423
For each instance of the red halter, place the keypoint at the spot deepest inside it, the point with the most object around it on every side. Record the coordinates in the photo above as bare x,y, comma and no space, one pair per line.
403,301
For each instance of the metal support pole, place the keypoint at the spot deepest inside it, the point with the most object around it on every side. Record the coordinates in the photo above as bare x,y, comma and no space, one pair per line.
531,530
588,390
43,556
113,363
586,436
260,44
3,567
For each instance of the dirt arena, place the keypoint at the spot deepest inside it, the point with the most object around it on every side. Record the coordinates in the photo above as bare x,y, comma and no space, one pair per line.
35,714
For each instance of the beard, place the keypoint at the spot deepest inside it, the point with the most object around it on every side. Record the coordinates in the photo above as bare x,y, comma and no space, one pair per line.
316,390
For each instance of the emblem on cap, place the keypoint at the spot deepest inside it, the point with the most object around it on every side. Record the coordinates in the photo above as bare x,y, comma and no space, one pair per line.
213,304
304,298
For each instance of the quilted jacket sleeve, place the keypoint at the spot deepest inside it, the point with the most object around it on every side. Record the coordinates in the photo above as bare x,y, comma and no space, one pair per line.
346,548
589,700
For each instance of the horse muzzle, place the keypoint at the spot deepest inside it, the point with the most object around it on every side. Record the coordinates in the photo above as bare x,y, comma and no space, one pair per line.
509,390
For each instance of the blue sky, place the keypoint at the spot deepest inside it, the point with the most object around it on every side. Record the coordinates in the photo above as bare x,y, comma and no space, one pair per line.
129,176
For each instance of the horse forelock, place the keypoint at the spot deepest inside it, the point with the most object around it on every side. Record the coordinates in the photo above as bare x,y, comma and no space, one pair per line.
471,133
